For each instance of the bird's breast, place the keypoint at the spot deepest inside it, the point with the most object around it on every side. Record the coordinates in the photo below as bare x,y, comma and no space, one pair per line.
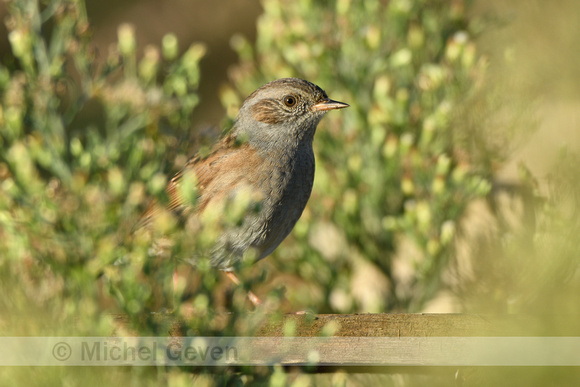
286,194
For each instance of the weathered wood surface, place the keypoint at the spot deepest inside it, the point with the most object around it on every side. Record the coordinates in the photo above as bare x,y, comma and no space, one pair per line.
384,342
401,325
427,325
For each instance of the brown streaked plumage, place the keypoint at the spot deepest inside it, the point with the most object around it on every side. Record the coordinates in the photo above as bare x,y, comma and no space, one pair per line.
228,161
269,151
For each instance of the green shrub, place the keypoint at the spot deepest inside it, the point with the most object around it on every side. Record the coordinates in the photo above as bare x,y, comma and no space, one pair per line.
83,144
396,170
86,138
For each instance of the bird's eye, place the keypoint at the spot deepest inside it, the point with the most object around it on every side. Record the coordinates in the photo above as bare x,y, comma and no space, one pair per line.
289,100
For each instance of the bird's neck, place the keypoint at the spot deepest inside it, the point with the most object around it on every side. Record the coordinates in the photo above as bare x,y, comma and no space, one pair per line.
278,148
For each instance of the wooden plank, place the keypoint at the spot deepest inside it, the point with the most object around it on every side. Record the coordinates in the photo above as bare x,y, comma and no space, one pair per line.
425,325
397,325
384,342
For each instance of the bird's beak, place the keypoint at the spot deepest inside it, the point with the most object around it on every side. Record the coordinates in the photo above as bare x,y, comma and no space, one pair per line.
329,105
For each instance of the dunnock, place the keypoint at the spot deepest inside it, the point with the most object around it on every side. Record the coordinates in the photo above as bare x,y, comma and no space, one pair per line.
268,152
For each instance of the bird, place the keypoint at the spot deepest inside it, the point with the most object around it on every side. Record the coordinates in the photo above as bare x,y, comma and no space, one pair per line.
269,153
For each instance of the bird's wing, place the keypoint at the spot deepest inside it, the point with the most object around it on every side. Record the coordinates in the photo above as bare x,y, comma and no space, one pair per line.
228,165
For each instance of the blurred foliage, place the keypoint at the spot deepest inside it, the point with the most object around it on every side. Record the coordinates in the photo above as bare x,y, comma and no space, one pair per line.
529,264
87,139
398,167
83,144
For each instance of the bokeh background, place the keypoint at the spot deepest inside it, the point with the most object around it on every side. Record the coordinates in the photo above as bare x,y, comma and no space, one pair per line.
450,185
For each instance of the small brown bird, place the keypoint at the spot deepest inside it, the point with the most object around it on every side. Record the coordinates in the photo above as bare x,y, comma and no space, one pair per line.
268,152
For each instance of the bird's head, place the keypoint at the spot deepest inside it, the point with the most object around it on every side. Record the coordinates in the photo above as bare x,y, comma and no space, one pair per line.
283,111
